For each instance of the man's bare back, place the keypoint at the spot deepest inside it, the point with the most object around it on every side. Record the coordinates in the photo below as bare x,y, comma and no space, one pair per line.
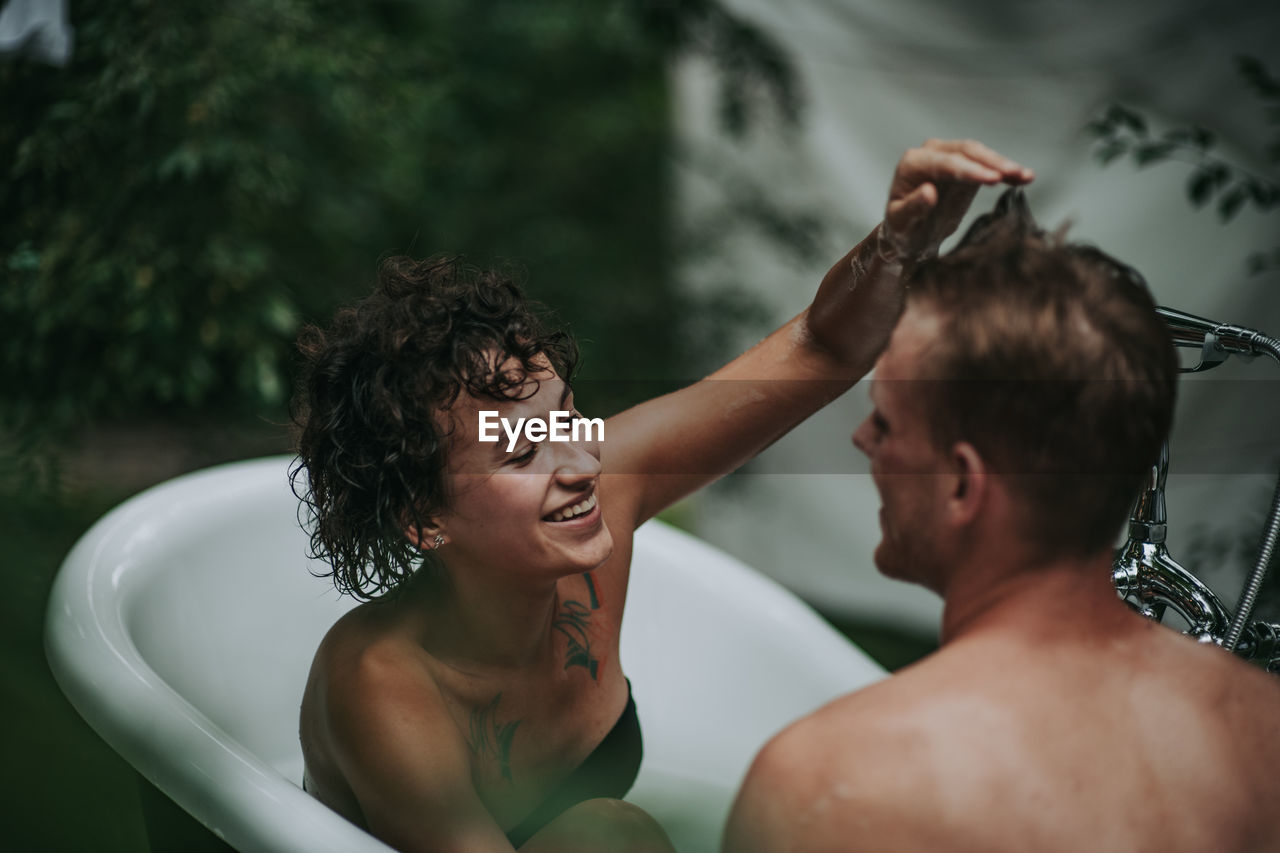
1046,741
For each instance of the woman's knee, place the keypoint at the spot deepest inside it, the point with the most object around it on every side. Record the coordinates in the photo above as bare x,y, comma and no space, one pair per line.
602,824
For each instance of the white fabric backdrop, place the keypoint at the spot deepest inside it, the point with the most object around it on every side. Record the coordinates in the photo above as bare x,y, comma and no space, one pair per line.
1024,77
38,28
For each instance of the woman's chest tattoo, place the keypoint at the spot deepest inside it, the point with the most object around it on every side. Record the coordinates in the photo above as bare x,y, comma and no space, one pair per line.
490,738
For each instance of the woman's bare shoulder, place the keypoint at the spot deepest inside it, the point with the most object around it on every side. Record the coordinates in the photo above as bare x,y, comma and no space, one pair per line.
364,664
367,693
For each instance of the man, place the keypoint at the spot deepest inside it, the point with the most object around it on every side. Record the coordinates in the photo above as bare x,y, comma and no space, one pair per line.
1021,401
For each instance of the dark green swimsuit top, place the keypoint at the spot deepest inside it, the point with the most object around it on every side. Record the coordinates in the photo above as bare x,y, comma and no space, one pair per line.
609,771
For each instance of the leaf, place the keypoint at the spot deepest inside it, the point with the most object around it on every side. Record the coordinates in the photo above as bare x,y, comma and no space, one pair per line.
1229,205
65,111
1152,152
1111,150
24,258
1202,138
182,161
1261,262
1100,128
267,380
280,316
1128,118
1256,75
1264,195
1201,185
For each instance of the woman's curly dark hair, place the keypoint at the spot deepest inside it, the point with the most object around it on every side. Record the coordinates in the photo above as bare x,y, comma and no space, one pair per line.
372,400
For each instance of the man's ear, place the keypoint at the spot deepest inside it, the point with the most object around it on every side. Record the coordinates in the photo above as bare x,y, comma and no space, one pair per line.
969,484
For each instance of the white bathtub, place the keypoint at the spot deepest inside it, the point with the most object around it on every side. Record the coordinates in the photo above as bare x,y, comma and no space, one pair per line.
165,631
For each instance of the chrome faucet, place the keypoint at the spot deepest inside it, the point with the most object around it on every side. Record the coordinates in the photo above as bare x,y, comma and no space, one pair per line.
1144,573
1151,580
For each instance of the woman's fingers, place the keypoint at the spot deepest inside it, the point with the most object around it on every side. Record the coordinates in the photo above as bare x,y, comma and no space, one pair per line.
933,187
928,164
903,213
963,161
972,150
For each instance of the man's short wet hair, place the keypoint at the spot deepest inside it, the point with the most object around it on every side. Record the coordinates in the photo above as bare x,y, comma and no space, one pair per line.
1055,366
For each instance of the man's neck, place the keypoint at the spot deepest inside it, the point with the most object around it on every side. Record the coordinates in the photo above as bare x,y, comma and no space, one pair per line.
1031,596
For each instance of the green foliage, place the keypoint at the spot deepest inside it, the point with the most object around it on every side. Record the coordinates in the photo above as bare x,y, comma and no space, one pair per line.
204,178
1230,188
755,69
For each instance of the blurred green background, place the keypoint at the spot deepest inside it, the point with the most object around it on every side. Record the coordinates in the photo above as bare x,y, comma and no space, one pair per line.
202,179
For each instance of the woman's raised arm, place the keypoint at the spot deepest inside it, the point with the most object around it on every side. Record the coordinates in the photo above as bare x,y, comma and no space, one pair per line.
659,451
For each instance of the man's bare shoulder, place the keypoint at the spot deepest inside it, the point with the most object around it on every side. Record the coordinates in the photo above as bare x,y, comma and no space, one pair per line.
991,744
859,768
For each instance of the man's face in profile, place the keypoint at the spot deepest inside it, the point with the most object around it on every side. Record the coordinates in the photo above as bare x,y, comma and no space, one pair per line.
905,464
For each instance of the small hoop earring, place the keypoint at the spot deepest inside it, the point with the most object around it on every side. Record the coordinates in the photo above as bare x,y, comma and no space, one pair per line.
438,541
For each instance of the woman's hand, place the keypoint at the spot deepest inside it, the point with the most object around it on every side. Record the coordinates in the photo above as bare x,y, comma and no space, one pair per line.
931,191
860,297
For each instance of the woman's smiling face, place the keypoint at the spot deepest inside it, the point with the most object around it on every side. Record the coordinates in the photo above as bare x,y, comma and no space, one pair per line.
505,509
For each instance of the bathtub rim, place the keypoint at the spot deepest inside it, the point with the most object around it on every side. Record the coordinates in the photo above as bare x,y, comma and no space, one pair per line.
107,680
105,676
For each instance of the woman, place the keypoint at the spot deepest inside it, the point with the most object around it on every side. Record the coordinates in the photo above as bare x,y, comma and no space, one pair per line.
477,703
